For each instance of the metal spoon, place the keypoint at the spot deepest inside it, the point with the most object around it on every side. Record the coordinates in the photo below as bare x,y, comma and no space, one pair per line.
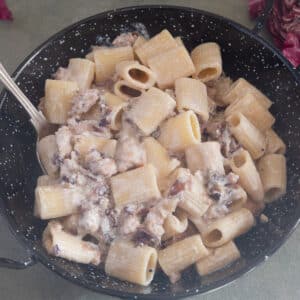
38,120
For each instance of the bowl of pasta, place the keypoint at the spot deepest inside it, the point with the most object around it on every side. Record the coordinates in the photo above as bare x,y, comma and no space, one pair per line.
174,169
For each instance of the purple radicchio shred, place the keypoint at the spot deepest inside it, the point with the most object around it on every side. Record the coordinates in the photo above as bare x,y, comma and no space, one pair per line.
283,24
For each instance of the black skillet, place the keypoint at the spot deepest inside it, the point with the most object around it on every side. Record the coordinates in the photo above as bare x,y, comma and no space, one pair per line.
245,54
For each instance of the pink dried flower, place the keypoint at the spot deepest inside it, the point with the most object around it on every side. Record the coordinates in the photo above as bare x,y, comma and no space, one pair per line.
284,25
256,7
5,13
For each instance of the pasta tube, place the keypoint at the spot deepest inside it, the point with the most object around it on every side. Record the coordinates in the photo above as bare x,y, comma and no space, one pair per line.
107,58
46,180
55,201
138,185
116,106
218,259
158,156
274,143
60,243
180,255
240,199
58,100
47,150
109,148
170,65
191,95
85,143
272,170
175,224
199,223
247,134
240,88
251,108
243,165
151,109
191,191
205,157
160,43
136,264
179,41
208,61
136,74
180,132
81,71
125,90
255,207
139,42
94,113
228,228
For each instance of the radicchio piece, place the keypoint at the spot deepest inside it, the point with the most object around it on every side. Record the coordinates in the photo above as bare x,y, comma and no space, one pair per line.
5,13
143,237
284,26
291,49
256,7
176,188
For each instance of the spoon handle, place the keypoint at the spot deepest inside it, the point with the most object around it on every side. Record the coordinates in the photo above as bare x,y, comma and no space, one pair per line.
36,116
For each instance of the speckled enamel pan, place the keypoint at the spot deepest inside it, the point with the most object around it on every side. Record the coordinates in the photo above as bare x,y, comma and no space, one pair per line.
244,55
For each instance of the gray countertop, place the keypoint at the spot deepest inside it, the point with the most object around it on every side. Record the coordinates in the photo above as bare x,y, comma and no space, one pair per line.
35,21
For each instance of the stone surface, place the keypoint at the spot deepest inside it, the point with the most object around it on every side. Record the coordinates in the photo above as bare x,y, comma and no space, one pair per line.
34,22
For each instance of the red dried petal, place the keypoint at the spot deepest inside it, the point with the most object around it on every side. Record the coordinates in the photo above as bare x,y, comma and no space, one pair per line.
256,7
284,25
291,49
5,13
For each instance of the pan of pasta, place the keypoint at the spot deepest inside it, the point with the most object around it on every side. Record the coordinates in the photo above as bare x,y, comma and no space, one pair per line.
174,168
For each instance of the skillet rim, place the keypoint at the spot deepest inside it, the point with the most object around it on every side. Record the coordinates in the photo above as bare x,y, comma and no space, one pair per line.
59,271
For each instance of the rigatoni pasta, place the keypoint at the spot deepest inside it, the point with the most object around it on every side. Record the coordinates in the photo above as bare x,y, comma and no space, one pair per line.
158,156
205,157
160,43
272,170
138,75
180,132
228,228
143,186
180,255
252,109
128,262
191,95
174,224
65,245
274,143
160,159
170,65
117,106
208,61
243,165
150,109
53,201
85,143
81,71
191,191
247,134
240,88
218,259
58,99
126,90
106,60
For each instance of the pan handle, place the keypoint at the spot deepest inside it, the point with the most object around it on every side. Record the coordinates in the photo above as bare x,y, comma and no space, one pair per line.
262,18
17,265
8,263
